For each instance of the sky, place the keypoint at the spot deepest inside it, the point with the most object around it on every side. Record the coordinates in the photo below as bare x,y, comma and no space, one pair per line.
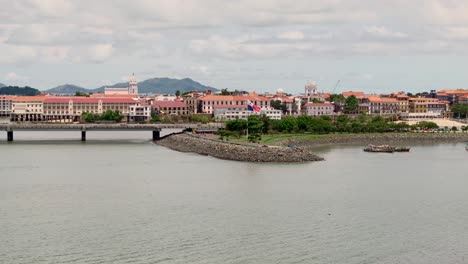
371,46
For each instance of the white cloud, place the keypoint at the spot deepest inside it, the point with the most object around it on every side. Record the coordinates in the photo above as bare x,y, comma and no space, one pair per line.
384,32
13,78
291,35
100,52
193,37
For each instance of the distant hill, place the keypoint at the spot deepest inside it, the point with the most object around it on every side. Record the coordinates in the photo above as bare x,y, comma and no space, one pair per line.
67,89
2,85
150,86
15,90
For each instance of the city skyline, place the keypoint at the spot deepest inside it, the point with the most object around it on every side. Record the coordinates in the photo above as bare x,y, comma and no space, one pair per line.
262,46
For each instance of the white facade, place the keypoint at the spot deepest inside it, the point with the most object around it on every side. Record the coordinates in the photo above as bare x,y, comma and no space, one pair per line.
32,107
312,109
131,89
119,91
311,89
133,85
139,112
5,106
165,97
232,113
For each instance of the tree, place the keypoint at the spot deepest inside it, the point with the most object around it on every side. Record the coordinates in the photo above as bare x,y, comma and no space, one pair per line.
238,125
15,90
254,138
425,125
337,98
460,110
225,92
177,93
276,104
266,124
255,124
155,118
303,122
316,101
77,93
351,104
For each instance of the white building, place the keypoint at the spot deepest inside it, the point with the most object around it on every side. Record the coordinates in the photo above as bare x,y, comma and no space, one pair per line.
131,89
165,97
5,105
321,109
139,112
232,112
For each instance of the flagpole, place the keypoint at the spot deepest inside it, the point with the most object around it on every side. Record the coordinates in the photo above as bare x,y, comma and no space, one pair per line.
248,126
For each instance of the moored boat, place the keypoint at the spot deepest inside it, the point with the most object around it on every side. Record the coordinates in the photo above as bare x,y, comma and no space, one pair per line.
405,149
385,149
382,148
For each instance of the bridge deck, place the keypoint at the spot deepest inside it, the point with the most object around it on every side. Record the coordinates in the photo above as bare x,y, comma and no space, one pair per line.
101,127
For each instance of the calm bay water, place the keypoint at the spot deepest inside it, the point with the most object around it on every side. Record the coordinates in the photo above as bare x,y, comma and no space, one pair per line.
130,201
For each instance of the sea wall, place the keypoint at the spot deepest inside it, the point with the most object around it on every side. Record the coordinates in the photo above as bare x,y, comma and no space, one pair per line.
383,138
232,151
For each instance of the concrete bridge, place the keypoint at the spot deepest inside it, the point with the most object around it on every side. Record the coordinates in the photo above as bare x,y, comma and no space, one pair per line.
155,128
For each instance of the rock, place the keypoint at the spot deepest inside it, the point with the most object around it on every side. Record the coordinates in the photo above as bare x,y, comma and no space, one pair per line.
236,151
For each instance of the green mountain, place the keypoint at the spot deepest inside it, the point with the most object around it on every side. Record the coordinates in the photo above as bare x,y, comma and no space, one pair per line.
164,86
150,86
67,89
15,90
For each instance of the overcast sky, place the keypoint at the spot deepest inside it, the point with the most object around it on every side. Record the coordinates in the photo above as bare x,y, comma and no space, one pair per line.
374,46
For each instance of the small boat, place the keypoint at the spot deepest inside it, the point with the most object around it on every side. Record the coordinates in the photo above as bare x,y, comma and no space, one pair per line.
382,148
405,149
466,147
386,149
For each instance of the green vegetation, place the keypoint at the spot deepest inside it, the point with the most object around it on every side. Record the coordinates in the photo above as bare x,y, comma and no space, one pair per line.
225,92
155,118
351,104
362,123
460,110
15,90
109,115
172,119
337,98
77,93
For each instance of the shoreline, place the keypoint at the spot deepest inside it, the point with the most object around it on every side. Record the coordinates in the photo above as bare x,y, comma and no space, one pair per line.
236,151
383,138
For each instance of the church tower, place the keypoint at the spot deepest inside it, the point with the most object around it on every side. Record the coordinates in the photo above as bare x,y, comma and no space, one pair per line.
132,85
311,89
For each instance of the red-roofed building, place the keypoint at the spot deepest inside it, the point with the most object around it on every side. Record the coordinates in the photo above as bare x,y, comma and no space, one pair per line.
463,99
5,105
207,102
383,105
319,109
170,107
60,108
359,95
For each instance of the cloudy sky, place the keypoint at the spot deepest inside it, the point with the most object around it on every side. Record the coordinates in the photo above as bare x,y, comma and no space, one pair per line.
263,45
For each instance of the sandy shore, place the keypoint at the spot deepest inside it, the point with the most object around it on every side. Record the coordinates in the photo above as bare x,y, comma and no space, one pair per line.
440,122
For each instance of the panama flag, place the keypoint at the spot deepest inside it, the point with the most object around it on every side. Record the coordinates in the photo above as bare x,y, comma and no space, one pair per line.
252,107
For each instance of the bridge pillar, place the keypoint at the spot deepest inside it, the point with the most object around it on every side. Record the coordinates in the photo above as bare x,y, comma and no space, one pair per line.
156,135
10,136
83,135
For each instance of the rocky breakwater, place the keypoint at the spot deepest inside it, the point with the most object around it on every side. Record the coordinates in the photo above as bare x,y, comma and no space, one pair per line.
234,151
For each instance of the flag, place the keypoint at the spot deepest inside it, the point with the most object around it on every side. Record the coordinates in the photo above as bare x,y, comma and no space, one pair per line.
252,107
